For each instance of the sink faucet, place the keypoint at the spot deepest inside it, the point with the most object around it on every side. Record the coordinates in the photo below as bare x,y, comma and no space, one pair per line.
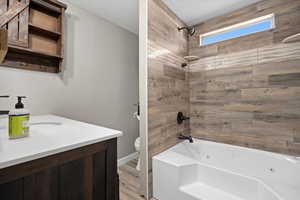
4,112
183,137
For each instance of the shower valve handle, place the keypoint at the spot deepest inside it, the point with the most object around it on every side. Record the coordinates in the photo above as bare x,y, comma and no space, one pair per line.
181,118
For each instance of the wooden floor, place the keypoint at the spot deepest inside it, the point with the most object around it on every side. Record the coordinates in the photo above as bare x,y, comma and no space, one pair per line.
129,182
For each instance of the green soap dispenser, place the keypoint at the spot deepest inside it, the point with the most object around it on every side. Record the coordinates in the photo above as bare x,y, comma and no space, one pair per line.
19,121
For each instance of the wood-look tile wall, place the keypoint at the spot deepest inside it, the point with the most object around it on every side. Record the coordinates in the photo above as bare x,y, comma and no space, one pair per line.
287,13
168,91
168,94
246,91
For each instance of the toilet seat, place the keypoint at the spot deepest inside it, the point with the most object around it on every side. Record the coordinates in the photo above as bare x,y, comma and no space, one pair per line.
137,144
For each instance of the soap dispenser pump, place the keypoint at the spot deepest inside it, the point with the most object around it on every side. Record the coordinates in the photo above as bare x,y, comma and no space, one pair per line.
19,120
20,105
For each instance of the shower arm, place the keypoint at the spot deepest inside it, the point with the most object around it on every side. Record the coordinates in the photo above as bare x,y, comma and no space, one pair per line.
191,30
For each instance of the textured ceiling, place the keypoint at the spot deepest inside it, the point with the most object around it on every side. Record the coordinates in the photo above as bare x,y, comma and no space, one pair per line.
195,11
123,13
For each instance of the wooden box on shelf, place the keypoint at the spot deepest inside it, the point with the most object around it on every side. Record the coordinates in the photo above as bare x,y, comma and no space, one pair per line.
35,34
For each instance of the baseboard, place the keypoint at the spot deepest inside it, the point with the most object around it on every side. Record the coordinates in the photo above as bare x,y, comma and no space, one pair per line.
128,158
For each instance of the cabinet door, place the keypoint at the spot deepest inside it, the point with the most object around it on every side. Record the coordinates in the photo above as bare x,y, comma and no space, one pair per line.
42,185
72,181
23,26
12,190
99,176
18,26
89,173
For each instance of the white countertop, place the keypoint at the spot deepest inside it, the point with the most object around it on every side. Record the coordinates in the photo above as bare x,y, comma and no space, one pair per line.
49,135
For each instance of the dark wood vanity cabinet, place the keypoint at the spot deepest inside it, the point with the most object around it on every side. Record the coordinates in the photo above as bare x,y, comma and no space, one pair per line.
86,173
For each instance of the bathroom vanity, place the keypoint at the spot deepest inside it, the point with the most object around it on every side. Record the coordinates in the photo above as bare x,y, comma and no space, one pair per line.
61,159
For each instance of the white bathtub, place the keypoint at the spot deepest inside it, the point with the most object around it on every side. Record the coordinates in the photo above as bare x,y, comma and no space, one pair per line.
212,171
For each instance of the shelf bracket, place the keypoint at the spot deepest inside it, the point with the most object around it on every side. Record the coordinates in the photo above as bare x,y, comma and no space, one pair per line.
12,12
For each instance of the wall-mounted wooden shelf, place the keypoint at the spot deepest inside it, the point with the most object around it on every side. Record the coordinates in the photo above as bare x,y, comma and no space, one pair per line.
35,35
32,52
48,5
44,31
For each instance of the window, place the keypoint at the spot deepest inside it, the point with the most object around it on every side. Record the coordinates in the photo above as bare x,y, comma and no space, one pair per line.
245,28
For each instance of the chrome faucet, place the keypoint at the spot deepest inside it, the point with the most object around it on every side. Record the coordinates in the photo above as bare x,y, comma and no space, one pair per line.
4,112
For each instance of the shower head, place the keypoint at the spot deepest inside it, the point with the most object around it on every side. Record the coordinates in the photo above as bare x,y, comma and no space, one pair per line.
190,29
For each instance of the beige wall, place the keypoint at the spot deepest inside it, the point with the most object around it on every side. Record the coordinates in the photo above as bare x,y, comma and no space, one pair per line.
99,83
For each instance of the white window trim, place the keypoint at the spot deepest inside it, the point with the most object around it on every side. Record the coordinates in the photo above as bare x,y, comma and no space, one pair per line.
241,25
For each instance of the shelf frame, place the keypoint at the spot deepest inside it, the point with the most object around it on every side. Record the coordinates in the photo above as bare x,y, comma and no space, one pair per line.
39,53
42,30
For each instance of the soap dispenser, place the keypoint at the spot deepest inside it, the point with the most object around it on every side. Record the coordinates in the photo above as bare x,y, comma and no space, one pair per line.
19,121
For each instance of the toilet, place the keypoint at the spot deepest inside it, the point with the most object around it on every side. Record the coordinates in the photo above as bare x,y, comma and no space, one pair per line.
137,145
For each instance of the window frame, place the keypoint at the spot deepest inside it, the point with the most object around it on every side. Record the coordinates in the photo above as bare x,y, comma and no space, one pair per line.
244,24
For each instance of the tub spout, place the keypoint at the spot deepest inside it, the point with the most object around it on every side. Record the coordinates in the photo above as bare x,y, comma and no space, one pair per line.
183,137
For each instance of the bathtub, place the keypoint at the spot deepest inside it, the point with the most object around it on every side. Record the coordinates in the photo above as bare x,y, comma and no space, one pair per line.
213,171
